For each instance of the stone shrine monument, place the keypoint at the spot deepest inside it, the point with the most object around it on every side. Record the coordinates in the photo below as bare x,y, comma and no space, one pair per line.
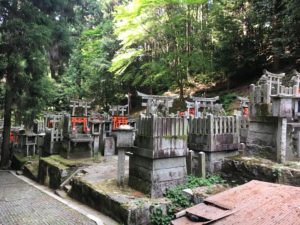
274,124
158,161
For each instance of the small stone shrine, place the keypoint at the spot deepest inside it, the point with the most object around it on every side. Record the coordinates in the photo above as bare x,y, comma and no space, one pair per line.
158,161
274,125
78,142
53,133
243,115
202,106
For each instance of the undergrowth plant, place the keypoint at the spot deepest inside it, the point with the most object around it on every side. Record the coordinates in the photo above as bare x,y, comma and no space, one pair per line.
227,99
179,200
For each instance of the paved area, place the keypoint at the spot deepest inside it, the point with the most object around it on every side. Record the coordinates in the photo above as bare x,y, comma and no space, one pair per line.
23,204
105,170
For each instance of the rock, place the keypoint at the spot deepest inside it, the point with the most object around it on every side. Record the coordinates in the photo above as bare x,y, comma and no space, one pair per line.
19,172
60,193
188,193
67,188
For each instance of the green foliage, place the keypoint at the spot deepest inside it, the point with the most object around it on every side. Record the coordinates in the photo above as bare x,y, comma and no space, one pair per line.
159,218
88,74
179,200
227,99
164,40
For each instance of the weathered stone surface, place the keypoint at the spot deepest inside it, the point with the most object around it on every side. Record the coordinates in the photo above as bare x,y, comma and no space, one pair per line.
109,146
122,207
160,147
243,169
52,174
282,106
266,152
244,135
155,176
154,189
262,133
220,142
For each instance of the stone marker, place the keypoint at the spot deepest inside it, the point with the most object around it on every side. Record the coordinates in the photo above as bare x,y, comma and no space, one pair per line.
201,163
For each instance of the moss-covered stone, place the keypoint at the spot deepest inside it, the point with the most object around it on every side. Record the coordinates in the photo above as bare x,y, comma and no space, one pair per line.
31,169
239,170
123,204
54,170
18,160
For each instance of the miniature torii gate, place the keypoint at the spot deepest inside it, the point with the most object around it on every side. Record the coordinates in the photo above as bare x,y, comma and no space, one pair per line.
273,81
51,119
118,110
201,102
153,102
75,104
80,104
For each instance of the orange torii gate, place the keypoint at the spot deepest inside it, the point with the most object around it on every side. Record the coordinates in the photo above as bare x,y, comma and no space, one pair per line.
78,118
118,115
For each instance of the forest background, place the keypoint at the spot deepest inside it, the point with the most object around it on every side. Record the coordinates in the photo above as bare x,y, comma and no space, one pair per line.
52,51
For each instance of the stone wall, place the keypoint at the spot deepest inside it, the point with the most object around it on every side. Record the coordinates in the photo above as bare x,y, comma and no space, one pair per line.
240,170
52,173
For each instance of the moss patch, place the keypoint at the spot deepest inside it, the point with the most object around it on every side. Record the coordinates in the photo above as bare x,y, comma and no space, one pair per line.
31,169
243,169
22,159
62,163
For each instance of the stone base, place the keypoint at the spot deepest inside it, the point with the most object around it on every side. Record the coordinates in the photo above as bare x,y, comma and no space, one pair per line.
154,176
123,204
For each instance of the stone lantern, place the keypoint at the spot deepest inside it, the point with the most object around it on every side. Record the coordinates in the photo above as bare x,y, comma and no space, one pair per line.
124,136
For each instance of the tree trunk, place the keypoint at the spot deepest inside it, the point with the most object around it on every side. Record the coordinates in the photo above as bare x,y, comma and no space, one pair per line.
5,153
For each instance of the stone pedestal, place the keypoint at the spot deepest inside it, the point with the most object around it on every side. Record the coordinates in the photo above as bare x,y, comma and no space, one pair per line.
159,155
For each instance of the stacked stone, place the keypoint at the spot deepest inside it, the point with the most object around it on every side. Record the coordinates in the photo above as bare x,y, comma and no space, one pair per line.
159,155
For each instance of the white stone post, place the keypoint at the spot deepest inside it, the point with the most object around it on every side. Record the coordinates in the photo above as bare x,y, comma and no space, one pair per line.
281,139
201,164
121,166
